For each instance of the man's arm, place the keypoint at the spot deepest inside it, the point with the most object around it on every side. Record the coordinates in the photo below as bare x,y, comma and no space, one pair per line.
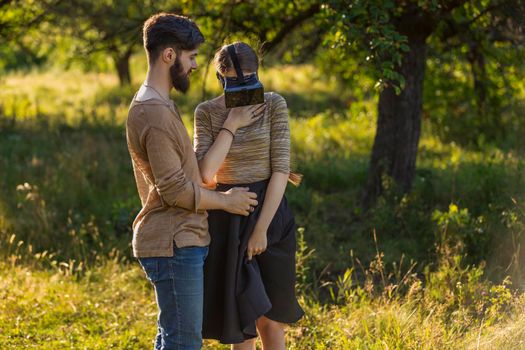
236,201
176,190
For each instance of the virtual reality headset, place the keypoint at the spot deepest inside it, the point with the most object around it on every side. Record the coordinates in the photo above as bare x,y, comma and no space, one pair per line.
241,90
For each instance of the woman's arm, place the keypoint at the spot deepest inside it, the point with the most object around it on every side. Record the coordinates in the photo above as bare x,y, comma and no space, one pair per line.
274,194
237,118
280,164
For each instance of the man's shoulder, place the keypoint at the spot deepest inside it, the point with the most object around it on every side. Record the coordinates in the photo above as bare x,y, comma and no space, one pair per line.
135,117
150,115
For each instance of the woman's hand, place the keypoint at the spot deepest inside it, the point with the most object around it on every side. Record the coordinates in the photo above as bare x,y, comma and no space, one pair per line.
257,244
239,117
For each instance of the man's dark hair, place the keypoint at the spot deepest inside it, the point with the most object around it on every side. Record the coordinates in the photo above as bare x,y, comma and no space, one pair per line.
165,30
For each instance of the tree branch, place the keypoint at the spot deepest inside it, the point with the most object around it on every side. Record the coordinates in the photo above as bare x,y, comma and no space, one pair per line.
289,26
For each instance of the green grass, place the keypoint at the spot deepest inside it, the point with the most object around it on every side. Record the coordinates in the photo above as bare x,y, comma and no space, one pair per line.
111,306
428,270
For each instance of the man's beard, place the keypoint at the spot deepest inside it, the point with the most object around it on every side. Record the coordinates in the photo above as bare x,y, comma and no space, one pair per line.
179,78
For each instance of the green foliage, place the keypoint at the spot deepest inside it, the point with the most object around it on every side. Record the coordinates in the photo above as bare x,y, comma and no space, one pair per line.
457,229
85,33
22,46
475,110
473,83
366,26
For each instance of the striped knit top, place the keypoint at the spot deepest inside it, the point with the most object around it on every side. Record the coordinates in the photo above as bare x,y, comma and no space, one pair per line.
257,150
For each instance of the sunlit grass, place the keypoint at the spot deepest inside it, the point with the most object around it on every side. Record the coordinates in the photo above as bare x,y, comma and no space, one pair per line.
112,306
66,96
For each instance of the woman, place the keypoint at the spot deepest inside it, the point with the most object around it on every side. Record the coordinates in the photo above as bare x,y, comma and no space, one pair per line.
250,269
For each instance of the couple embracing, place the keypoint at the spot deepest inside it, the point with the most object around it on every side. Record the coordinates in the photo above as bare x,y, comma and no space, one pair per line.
215,235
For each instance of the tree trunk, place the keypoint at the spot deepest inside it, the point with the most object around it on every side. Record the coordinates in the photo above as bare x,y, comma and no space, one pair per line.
479,74
398,126
122,66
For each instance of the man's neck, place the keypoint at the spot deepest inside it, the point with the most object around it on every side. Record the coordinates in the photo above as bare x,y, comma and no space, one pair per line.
159,82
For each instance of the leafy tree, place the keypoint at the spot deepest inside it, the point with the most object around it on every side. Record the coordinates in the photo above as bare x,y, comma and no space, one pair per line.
396,36
107,26
474,74
115,26
19,20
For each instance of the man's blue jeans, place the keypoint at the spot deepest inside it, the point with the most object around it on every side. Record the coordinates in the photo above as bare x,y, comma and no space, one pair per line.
179,290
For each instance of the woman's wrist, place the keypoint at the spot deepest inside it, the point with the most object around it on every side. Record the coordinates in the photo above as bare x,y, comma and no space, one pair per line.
230,125
228,131
259,231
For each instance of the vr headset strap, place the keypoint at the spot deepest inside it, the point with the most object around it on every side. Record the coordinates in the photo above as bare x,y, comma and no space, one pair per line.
235,61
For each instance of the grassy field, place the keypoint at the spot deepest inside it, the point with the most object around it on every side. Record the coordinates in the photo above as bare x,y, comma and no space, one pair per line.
111,306
441,268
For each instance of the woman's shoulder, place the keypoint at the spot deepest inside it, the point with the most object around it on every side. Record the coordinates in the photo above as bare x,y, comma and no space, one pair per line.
203,108
277,103
273,97
208,105
203,105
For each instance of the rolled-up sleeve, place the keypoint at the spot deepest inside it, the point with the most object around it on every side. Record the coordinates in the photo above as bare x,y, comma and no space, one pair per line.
164,155
202,133
279,136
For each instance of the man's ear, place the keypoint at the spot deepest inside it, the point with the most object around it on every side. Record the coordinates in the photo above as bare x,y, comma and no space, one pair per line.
169,55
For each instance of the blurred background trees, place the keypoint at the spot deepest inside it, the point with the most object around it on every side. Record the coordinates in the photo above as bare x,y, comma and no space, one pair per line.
391,41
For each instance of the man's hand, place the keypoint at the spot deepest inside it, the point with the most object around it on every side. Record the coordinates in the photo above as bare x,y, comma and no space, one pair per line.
240,201
257,244
239,117
210,185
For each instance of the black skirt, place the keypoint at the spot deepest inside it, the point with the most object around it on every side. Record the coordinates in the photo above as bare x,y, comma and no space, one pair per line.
238,291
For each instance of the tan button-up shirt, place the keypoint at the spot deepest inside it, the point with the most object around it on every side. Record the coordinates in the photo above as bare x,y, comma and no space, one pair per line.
168,180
